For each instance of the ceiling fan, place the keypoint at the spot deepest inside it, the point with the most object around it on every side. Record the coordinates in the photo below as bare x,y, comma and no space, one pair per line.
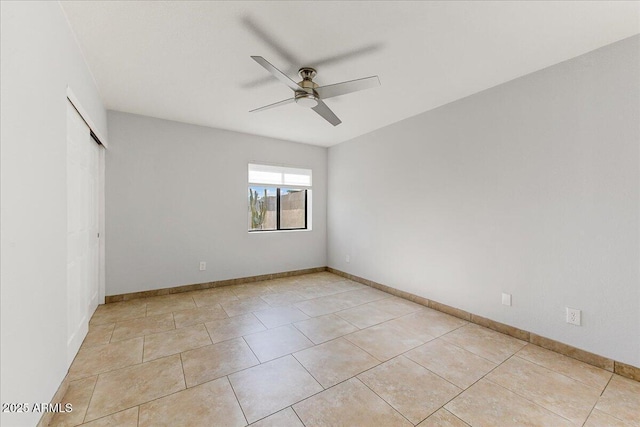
309,95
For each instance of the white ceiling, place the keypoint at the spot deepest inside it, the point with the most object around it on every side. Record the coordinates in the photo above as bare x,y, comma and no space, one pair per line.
189,61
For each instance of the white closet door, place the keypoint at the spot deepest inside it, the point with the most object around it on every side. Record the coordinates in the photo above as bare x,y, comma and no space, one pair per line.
83,155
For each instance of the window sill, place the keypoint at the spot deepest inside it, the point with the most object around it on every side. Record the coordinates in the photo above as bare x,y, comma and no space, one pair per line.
279,231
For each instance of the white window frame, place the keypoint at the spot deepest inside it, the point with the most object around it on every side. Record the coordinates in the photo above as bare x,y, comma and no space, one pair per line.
279,177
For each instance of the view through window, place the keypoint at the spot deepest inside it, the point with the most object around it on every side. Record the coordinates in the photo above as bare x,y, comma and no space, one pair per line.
278,197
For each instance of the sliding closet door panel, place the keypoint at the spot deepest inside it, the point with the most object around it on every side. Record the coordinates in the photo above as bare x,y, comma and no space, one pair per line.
82,229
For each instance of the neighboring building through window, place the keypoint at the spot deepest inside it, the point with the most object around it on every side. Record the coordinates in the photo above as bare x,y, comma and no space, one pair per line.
279,198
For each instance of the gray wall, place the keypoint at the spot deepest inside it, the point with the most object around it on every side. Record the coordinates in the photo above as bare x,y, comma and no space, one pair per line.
177,195
40,58
530,188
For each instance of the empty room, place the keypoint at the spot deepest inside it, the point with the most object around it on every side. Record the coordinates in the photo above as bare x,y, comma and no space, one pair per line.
320,213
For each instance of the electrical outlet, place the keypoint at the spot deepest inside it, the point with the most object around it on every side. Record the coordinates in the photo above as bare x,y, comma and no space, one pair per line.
348,258
574,316
506,299
203,265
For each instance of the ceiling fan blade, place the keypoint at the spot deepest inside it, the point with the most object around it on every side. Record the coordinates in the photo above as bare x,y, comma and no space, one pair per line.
344,88
274,105
323,110
276,73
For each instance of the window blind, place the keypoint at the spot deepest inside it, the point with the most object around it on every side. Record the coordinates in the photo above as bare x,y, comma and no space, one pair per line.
279,175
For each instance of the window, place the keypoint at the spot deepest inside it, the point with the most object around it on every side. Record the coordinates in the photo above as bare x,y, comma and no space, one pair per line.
279,198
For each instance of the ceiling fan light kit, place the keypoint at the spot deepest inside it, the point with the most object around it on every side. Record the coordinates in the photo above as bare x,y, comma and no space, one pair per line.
307,100
309,95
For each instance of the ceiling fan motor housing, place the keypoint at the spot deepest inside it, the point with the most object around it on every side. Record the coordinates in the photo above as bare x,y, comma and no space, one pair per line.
307,97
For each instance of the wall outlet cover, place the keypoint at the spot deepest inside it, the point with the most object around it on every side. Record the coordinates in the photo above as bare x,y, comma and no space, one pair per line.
574,316
203,265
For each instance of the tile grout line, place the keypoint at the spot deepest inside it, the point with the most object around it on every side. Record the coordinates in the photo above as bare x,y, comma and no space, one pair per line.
516,393
84,419
471,385
254,355
308,397
383,399
236,396
306,336
262,363
452,414
239,370
434,373
597,400
305,368
261,322
184,376
345,337
375,324
602,394
110,414
85,345
296,414
351,323
590,412
120,321
308,372
338,293
613,416
403,354
605,387
529,400
354,376
208,333
144,345
472,352
116,369
560,373
294,410
381,363
90,398
157,398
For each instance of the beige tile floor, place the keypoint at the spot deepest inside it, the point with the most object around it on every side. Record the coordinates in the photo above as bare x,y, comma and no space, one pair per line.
319,350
